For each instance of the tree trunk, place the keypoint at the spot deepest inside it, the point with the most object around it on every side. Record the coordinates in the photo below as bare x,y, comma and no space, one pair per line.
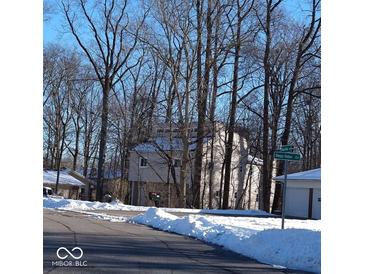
212,112
74,164
103,140
266,178
60,157
285,137
232,120
201,115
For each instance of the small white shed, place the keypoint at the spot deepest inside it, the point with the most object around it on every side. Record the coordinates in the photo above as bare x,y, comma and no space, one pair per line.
303,194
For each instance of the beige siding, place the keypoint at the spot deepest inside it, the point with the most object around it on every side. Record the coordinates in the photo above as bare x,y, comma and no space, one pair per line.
243,183
156,169
66,191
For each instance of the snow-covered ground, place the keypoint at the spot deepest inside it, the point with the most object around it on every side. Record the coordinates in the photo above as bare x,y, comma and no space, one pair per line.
296,247
258,238
81,205
115,205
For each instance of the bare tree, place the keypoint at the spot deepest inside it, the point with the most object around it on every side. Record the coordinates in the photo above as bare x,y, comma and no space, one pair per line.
58,88
187,66
108,48
266,180
243,10
201,105
309,35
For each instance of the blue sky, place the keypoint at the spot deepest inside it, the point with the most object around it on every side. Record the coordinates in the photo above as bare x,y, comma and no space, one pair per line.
52,28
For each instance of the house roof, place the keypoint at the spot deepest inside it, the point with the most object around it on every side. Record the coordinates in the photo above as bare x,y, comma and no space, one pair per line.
50,176
165,144
309,175
108,173
175,144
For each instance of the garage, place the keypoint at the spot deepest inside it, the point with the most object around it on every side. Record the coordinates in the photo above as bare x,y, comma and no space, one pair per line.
303,194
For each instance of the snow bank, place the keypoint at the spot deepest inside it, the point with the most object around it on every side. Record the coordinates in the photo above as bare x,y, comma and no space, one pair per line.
80,205
235,212
292,248
86,205
297,247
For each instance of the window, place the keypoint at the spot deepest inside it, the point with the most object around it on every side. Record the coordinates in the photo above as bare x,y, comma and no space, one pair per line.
177,163
47,191
217,193
235,195
143,162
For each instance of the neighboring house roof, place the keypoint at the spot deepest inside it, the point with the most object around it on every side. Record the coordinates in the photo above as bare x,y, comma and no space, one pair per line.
165,144
112,174
108,173
81,178
309,175
50,177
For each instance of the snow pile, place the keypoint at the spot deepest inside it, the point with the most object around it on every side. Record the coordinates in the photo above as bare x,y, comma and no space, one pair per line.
259,224
117,205
80,205
297,247
293,248
235,212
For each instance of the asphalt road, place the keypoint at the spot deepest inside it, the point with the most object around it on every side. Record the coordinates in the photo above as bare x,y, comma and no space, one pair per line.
110,247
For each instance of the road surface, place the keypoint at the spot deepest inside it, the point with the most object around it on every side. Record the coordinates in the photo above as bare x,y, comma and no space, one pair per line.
110,247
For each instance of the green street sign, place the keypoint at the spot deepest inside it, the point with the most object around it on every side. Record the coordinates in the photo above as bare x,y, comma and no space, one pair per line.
287,148
280,155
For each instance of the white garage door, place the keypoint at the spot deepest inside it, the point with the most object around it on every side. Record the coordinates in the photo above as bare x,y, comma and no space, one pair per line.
297,202
316,210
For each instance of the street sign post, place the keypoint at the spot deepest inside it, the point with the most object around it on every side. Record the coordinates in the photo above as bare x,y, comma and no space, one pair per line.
286,153
284,194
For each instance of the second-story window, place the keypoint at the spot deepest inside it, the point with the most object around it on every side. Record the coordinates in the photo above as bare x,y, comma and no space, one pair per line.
143,162
177,163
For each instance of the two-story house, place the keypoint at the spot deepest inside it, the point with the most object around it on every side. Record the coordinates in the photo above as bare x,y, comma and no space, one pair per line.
154,167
